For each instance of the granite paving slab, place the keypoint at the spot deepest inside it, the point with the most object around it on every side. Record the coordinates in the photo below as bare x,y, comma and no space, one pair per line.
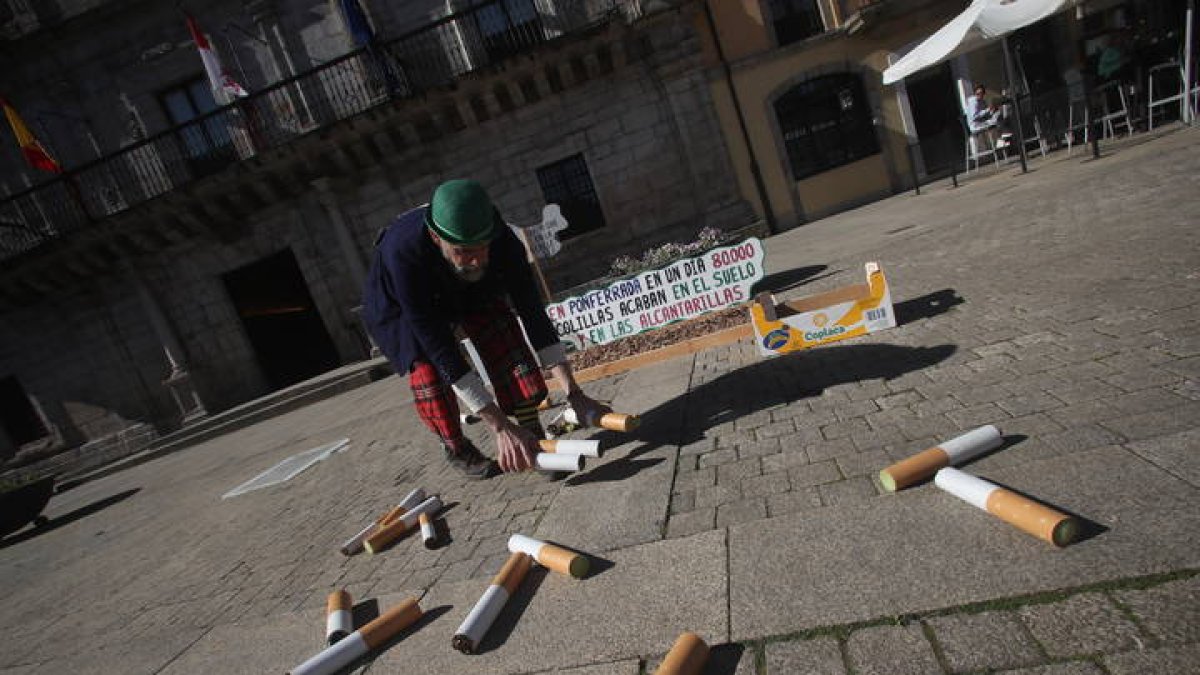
923,549
636,606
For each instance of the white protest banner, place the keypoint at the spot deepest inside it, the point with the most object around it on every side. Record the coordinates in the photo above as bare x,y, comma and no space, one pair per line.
647,300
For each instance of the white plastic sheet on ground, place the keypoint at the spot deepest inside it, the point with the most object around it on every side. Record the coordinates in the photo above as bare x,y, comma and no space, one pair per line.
982,22
288,468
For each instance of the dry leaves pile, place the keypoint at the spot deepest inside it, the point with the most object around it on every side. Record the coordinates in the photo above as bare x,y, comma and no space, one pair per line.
668,335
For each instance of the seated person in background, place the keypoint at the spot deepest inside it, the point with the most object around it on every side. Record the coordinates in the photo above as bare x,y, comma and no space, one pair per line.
983,117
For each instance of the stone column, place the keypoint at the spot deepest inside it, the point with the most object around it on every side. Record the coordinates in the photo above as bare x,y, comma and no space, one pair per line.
178,380
350,252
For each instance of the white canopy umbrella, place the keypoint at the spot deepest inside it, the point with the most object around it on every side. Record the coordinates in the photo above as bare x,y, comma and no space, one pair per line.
982,22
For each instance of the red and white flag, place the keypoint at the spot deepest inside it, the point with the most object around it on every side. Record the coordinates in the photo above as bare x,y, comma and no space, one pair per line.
224,87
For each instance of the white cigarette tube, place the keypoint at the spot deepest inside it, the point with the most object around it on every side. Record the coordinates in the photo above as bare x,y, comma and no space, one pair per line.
428,533
551,557
468,636
395,529
926,463
338,621
687,656
1037,519
360,642
572,447
549,461
354,544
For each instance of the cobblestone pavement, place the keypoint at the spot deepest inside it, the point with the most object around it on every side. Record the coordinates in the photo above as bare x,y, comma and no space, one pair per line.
1061,306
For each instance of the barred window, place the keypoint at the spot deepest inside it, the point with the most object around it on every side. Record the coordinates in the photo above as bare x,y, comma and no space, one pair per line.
795,20
568,184
825,123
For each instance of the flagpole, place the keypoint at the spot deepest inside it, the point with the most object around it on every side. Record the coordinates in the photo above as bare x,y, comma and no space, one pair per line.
1015,96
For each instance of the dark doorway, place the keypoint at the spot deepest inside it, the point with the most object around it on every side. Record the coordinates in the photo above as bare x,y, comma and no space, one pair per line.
281,320
936,113
21,422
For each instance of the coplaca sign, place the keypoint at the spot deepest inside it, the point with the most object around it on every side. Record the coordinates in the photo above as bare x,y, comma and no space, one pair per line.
685,289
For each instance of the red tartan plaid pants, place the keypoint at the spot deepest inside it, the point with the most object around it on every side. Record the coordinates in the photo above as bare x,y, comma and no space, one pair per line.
514,373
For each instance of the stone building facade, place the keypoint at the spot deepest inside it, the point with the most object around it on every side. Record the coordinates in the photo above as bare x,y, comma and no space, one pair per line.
147,286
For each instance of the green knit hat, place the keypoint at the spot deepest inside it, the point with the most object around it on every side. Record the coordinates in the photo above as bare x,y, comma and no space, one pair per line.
461,213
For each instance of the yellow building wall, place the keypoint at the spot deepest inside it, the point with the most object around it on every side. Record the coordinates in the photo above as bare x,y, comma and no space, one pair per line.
761,76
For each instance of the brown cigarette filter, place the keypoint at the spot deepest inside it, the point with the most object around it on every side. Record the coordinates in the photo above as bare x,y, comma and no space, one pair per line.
391,516
620,422
385,535
391,622
548,446
563,561
687,657
914,469
1041,521
513,572
338,600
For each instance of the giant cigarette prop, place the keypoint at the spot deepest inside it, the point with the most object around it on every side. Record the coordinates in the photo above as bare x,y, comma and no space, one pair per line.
357,644
926,463
551,557
338,621
1041,521
428,533
687,657
549,461
468,636
354,544
393,530
572,447
613,421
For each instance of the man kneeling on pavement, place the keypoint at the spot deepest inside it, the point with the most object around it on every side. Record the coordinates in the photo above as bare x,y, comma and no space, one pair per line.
454,268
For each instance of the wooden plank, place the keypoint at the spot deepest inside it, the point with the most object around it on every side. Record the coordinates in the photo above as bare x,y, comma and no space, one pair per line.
691,346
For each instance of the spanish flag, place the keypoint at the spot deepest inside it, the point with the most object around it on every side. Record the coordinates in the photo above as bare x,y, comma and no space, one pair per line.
34,153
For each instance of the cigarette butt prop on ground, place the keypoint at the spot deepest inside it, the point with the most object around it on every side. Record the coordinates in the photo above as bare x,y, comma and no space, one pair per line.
354,544
549,461
338,621
551,557
394,530
468,636
686,657
613,421
428,533
926,463
572,447
1041,521
360,642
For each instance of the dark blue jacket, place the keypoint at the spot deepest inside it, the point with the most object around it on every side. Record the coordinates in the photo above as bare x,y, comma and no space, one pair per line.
412,298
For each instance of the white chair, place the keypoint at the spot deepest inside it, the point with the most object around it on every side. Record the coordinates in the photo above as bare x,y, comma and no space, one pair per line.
1076,100
1113,111
978,144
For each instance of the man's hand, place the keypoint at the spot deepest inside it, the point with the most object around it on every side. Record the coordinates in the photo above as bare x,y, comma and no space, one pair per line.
515,448
587,410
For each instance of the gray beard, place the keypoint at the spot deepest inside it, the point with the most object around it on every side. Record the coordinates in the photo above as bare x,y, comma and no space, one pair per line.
469,274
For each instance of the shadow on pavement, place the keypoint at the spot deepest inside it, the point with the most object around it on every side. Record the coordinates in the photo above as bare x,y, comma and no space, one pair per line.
754,387
926,306
724,660
66,518
778,282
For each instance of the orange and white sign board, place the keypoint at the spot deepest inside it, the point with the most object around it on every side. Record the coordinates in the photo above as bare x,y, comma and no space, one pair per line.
839,314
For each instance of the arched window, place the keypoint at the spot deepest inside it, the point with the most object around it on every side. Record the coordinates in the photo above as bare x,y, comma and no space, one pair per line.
826,122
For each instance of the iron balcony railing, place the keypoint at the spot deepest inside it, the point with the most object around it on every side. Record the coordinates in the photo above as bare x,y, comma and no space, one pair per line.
429,57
